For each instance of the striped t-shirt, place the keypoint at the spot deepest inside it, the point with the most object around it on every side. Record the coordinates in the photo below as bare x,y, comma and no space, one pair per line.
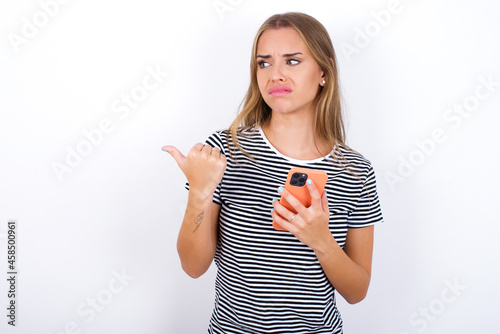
267,280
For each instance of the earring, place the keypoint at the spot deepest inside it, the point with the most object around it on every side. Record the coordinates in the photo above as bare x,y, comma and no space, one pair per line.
323,82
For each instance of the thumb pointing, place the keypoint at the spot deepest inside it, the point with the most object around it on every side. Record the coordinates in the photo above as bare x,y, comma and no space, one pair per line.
176,154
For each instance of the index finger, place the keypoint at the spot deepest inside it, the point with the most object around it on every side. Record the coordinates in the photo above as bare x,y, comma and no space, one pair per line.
313,191
292,200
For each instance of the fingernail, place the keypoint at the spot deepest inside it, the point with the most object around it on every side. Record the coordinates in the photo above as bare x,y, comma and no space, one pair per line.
280,189
324,193
274,199
309,181
272,210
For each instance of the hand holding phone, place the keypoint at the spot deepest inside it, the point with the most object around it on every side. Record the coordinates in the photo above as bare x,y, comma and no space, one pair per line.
296,185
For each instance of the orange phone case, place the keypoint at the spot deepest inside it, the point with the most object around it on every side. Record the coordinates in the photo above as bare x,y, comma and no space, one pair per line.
298,187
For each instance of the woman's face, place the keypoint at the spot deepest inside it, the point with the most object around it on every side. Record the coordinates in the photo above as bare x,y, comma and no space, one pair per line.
287,74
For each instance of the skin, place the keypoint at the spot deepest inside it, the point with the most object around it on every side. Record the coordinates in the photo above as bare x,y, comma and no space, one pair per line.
286,60
197,239
290,130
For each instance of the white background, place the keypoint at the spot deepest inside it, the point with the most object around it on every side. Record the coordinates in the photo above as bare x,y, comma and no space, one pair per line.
119,208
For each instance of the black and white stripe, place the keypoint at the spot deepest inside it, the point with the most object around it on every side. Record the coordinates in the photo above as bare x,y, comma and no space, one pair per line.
267,280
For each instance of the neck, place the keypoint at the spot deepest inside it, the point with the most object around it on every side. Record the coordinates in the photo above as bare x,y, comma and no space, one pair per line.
295,137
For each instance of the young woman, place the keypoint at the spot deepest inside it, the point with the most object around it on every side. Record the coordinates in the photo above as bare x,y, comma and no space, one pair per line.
271,281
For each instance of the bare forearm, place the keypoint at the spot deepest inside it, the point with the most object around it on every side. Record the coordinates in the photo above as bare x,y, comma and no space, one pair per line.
195,243
349,278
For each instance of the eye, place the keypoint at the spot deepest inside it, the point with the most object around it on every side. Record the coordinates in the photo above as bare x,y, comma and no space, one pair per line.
293,61
262,64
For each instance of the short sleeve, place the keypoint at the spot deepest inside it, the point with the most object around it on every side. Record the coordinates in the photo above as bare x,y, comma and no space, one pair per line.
367,211
214,140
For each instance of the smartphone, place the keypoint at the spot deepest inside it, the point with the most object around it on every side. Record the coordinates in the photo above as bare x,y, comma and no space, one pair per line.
296,185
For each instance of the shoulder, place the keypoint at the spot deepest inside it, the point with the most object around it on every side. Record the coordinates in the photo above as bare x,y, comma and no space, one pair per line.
241,132
354,161
225,136
217,139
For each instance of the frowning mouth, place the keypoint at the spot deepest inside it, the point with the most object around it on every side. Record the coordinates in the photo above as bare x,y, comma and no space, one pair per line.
279,90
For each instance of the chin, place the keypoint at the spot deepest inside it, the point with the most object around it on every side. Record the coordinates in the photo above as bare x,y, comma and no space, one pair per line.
282,109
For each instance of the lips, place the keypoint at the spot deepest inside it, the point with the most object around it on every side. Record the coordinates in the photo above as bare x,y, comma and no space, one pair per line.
279,90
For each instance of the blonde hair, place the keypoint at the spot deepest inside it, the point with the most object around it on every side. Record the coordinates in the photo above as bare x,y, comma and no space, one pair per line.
328,122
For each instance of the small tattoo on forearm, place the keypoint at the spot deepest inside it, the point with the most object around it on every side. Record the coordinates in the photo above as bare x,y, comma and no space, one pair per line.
198,220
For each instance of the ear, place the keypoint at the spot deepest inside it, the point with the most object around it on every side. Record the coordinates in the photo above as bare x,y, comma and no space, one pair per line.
322,79
323,75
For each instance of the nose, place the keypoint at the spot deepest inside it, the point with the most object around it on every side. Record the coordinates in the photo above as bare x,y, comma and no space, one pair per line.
278,73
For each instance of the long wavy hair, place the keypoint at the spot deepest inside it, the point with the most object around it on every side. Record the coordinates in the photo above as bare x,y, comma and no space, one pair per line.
328,122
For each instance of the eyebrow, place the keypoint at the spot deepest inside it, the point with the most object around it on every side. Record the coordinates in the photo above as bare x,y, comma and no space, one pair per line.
285,55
